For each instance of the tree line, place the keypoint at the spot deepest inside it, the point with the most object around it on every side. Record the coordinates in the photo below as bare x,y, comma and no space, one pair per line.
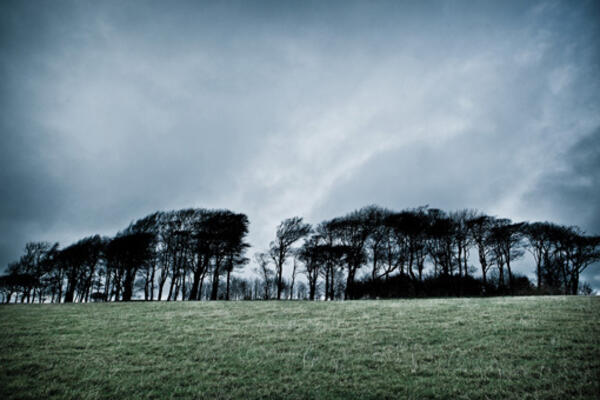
373,252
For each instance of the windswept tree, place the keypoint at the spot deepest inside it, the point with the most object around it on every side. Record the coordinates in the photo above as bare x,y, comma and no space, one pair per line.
441,244
409,231
480,227
265,272
53,274
150,225
235,260
333,256
352,232
313,257
169,225
32,270
288,232
80,261
188,246
573,252
586,251
507,240
295,270
377,238
93,248
202,242
226,244
126,254
463,238
19,282
178,249
539,239
10,284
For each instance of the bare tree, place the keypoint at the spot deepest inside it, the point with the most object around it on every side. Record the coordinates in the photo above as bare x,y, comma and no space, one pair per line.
312,256
539,239
507,240
266,273
574,252
462,238
479,230
288,232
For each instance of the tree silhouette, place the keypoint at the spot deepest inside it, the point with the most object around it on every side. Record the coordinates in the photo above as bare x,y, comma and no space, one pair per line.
506,239
371,252
288,232
480,229
266,273
539,238
127,253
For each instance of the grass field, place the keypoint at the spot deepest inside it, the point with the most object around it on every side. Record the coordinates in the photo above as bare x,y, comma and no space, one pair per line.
545,347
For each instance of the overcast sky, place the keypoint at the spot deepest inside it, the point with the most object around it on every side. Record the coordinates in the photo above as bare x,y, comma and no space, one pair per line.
112,110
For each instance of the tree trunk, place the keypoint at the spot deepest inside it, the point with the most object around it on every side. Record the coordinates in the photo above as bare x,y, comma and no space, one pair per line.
183,289
152,276
227,289
161,284
215,282
349,283
199,296
410,265
326,282
332,284
117,288
459,259
266,290
172,286
293,280
279,279
177,286
483,276
374,273
129,280
510,276
575,283
147,285
69,294
195,284
539,273
107,286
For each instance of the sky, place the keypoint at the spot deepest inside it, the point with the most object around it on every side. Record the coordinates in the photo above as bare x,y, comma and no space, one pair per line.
112,110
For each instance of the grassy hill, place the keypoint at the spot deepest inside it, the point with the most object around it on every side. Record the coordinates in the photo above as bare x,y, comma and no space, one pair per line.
527,347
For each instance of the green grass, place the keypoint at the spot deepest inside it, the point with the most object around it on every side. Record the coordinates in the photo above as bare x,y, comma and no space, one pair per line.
527,347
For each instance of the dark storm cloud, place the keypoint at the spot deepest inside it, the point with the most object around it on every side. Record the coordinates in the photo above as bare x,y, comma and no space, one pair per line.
111,110
571,189
570,192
